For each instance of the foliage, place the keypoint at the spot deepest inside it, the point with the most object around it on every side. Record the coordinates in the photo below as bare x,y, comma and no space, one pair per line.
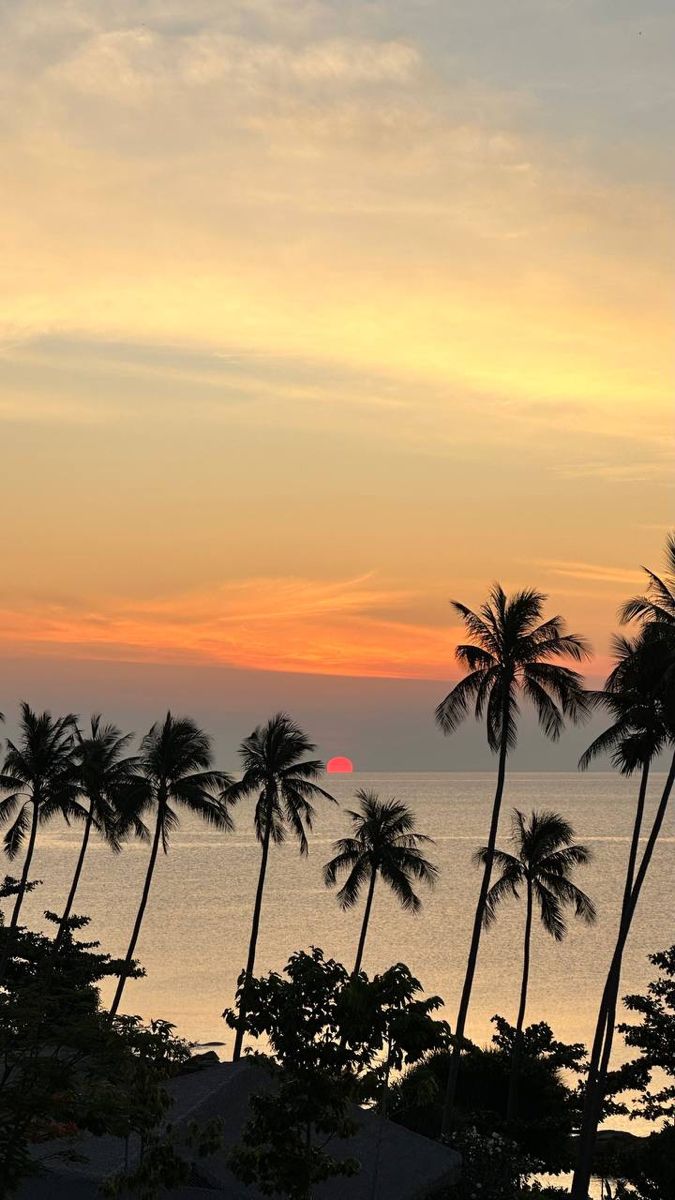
654,1037
645,1168
333,1040
544,857
163,1164
66,1067
384,841
512,650
492,1166
548,1105
285,781
632,696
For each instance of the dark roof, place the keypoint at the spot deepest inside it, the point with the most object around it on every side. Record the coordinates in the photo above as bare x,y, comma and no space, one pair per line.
395,1163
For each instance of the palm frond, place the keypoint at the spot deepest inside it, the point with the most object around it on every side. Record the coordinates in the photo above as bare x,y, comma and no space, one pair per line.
506,885
14,838
452,710
550,910
567,893
351,888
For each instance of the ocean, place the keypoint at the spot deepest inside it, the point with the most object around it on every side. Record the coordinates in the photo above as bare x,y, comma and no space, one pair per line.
194,940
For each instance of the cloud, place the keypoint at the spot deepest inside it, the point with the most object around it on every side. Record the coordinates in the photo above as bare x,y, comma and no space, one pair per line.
345,627
593,572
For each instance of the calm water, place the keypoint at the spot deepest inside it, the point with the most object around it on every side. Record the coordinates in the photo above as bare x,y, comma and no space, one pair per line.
194,939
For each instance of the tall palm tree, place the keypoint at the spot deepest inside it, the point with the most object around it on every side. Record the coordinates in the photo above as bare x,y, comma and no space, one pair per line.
545,855
102,772
511,653
649,678
174,768
384,842
39,779
275,769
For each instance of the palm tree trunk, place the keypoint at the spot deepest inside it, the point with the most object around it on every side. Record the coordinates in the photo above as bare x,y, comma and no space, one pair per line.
26,865
512,1099
604,1029
250,963
603,1035
76,877
140,914
451,1087
366,919
23,884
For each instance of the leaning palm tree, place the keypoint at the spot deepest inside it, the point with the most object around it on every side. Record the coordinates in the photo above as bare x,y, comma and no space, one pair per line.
648,677
544,856
511,653
174,768
384,842
39,778
102,772
275,769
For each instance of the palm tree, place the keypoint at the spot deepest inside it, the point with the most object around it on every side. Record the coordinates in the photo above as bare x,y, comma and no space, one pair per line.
102,772
174,768
39,777
274,769
648,678
384,842
511,652
545,854
656,607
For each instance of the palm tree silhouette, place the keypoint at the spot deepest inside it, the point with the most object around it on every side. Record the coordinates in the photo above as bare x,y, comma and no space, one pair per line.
275,769
39,777
656,607
646,679
545,854
511,652
102,772
384,842
174,767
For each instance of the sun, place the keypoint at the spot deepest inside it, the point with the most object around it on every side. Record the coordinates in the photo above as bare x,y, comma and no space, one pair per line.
339,765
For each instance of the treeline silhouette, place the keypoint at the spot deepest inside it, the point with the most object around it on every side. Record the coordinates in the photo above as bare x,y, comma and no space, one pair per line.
57,768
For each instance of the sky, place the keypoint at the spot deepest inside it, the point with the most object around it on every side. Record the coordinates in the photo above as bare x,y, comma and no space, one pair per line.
314,315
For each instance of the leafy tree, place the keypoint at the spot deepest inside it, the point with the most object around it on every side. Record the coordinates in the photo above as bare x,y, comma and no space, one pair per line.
651,667
276,771
333,1039
174,768
654,1037
66,1068
102,771
545,855
386,843
511,653
548,1104
645,1169
39,781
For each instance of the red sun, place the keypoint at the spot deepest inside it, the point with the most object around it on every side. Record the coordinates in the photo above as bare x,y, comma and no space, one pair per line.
339,765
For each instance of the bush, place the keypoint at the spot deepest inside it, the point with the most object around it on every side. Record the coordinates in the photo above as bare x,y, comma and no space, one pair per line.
548,1107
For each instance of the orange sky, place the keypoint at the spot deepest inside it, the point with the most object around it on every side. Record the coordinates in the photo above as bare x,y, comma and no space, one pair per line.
313,316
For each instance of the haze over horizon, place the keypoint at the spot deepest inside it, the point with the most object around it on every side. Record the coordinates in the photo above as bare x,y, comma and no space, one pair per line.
315,315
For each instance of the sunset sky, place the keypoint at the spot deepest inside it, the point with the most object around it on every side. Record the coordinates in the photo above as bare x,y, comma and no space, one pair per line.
313,315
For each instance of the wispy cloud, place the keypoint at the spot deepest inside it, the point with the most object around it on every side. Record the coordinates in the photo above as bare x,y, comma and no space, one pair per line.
326,628
593,572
